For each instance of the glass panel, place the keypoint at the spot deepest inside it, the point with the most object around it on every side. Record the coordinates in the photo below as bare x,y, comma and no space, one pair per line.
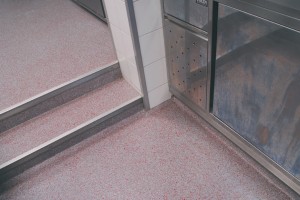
290,4
287,7
257,83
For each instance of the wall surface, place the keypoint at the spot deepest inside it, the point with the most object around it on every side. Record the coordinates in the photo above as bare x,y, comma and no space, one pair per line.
150,30
121,32
148,18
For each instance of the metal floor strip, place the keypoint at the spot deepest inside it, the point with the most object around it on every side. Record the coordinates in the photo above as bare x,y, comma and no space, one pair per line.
19,164
59,95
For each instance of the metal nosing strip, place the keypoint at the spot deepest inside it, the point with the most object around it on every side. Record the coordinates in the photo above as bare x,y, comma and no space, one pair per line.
56,91
59,140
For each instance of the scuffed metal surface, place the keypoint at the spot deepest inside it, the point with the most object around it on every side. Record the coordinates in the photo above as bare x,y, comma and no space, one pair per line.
188,11
257,83
187,63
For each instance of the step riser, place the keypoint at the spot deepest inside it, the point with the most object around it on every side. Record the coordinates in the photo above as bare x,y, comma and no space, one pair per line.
29,159
58,96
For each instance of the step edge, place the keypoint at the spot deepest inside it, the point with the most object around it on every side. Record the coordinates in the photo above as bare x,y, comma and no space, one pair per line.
39,98
80,129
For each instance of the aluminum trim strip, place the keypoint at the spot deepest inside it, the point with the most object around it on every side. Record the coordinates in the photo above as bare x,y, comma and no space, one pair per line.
27,156
57,90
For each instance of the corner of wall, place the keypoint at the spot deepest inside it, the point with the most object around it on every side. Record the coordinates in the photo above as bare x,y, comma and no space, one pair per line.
118,21
150,31
148,20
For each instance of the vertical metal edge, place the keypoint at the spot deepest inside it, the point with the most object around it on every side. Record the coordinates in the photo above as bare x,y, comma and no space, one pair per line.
212,45
137,50
165,41
247,147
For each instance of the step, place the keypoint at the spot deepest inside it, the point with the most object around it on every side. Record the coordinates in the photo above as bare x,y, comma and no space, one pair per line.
80,112
165,153
47,43
59,95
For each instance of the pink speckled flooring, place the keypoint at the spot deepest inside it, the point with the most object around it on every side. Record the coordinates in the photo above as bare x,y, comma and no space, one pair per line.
165,153
63,118
47,43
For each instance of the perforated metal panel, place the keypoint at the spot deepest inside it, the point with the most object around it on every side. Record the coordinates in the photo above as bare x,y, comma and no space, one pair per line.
187,63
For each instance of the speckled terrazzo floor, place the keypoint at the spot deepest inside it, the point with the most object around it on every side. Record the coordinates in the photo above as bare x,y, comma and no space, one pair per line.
63,118
47,43
165,153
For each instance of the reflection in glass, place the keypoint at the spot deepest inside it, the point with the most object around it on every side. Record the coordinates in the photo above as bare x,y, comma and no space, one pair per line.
257,82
